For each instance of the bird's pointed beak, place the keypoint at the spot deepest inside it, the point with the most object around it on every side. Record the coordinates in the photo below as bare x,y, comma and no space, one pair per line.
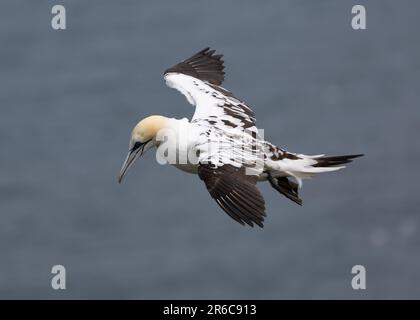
132,156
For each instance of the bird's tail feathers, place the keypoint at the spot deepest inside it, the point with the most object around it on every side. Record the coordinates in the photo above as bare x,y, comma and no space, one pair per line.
305,166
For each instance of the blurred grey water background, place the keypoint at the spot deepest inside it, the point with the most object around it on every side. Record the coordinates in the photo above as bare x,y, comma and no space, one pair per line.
69,99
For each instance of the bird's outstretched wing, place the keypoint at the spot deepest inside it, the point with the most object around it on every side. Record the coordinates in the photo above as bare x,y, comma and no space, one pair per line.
199,78
230,137
235,192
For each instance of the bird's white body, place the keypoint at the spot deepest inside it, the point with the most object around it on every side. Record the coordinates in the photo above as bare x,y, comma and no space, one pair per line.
182,140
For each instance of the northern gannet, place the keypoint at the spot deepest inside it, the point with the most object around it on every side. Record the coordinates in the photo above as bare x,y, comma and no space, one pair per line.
222,145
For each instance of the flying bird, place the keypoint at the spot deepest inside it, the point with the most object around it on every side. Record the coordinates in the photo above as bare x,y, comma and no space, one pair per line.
222,145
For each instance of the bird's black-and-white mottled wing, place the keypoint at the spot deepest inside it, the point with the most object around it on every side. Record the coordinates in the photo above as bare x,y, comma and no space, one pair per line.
229,137
227,118
198,79
235,192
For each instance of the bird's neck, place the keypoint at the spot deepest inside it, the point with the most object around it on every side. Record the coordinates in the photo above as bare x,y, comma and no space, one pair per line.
172,128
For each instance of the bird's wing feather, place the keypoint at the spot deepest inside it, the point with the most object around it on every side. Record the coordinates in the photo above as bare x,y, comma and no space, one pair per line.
235,192
204,65
202,89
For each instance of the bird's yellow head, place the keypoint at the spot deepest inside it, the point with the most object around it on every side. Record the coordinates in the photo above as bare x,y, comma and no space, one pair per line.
147,129
143,137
